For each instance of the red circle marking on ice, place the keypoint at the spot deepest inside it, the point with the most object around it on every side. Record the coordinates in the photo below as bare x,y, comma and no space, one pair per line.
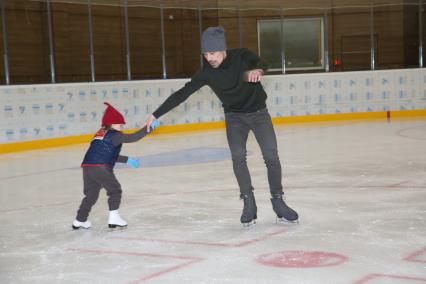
301,259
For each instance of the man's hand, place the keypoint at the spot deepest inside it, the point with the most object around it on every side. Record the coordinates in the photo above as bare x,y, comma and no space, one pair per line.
253,76
148,123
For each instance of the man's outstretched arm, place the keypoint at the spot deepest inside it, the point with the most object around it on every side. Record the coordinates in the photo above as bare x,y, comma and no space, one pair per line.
174,100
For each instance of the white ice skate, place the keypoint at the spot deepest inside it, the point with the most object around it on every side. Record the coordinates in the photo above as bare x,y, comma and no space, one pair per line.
81,225
114,220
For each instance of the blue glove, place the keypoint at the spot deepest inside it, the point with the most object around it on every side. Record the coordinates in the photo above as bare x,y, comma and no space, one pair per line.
154,124
132,162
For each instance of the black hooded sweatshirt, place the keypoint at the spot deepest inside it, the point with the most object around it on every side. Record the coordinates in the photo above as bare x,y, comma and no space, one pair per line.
227,81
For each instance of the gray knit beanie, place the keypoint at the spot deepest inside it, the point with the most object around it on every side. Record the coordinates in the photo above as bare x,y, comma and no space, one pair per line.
213,39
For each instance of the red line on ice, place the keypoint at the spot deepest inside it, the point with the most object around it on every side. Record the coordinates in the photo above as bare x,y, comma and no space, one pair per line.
412,257
369,277
189,261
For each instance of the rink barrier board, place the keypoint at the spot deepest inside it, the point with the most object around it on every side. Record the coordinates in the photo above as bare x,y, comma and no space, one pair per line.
55,111
180,128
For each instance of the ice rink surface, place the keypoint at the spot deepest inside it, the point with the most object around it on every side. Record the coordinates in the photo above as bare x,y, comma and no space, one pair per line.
359,188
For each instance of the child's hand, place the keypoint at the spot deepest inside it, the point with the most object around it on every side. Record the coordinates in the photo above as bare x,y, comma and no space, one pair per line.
132,162
154,124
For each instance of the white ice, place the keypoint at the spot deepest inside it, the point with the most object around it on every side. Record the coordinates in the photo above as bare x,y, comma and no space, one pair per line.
359,187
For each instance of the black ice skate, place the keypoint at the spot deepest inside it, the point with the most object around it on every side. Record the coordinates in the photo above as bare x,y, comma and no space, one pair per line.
249,215
284,213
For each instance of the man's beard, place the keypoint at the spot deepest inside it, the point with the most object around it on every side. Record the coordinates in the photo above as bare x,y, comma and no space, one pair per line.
213,63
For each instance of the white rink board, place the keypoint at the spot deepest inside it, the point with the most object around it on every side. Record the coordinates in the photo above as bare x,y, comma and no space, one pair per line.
32,112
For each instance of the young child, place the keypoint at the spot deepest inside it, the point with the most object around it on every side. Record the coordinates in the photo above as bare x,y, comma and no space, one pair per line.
98,165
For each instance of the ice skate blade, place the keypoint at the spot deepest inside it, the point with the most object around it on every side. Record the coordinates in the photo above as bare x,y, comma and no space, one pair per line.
115,226
249,225
283,220
75,228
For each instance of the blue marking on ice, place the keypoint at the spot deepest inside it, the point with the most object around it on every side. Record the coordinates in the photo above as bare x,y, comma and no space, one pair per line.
183,157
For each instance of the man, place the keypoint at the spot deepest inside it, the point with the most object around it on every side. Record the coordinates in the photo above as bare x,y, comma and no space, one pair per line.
234,75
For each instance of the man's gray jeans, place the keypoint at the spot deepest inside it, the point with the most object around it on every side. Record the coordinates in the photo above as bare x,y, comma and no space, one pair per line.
238,126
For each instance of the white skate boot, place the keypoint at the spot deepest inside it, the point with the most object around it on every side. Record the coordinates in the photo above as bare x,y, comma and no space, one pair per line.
81,225
114,220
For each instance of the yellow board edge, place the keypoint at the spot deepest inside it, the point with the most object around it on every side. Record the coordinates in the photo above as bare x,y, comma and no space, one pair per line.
167,129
